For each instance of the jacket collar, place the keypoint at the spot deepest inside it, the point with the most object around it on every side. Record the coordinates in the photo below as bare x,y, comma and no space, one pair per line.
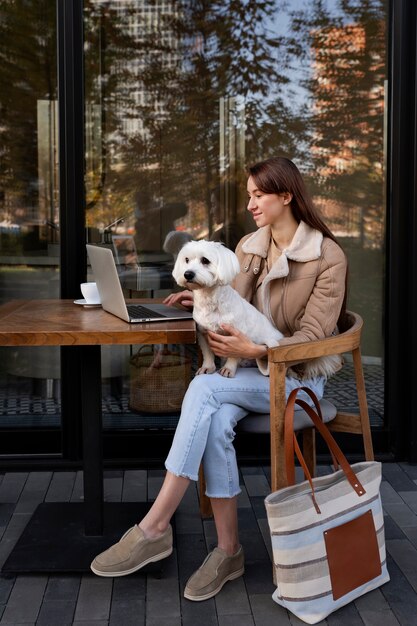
305,246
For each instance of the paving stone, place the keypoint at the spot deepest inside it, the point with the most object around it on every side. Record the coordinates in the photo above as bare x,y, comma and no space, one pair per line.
210,534
198,613
257,485
94,599
154,486
374,601
243,501
266,536
324,470
191,552
91,623
12,486
388,494
25,599
398,479
3,623
405,555
113,473
78,491
6,586
6,512
258,507
187,516
128,601
346,616
392,530
12,533
400,595
411,533
236,620
266,612
401,514
410,470
162,594
258,577
33,492
253,545
61,487
64,588
135,486
247,520
251,471
55,612
233,599
410,498
112,487
168,621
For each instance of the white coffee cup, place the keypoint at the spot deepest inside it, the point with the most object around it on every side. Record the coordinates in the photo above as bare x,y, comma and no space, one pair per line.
90,293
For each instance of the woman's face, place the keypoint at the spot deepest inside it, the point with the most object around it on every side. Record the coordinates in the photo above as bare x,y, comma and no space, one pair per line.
267,208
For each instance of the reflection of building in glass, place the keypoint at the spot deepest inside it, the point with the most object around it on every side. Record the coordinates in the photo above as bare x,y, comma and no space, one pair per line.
149,24
348,91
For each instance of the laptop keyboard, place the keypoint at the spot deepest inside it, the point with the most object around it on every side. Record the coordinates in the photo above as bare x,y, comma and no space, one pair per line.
139,311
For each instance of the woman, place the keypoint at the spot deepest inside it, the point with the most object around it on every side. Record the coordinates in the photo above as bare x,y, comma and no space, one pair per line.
292,270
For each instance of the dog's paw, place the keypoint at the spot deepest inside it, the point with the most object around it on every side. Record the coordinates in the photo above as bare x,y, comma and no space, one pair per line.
206,369
227,372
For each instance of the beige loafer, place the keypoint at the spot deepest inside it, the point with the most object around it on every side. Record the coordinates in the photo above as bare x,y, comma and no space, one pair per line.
216,570
132,552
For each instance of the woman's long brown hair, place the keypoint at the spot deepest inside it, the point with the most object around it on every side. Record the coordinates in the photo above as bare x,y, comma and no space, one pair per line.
279,175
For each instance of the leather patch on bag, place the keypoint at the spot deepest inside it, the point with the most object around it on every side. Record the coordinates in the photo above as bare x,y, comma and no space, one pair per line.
352,554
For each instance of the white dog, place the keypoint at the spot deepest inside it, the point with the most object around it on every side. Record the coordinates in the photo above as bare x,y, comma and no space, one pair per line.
208,268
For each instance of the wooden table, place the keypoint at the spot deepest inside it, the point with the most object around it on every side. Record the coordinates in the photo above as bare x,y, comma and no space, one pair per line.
79,526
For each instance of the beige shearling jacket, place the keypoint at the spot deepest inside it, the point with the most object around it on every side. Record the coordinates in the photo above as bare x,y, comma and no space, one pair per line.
301,295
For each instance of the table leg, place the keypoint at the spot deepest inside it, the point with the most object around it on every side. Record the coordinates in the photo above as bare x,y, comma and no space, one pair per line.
90,372
66,536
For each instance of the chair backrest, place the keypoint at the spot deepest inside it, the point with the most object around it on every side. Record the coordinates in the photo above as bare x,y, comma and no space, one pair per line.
282,357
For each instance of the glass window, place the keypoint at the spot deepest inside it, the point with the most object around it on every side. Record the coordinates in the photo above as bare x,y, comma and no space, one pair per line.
181,96
29,204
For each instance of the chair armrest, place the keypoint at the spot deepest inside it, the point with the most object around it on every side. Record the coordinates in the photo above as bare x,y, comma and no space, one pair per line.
305,351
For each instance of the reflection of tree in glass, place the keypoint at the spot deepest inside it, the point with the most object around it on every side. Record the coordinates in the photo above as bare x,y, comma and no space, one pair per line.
346,76
163,80
27,75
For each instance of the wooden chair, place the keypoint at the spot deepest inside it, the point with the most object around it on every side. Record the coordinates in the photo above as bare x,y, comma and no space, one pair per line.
280,359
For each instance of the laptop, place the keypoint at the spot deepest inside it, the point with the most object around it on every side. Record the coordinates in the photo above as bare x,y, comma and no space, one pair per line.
111,294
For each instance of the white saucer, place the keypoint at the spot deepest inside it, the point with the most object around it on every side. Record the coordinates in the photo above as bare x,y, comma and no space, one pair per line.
85,303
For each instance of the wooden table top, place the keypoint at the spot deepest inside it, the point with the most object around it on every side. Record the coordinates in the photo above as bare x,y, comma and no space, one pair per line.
63,323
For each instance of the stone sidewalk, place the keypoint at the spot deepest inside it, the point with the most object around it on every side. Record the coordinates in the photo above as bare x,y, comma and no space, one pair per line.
153,597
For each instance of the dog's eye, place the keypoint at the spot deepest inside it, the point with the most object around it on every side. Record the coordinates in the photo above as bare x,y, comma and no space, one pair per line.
205,261
186,259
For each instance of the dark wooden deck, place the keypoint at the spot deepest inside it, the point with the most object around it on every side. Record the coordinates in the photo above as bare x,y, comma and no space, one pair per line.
154,598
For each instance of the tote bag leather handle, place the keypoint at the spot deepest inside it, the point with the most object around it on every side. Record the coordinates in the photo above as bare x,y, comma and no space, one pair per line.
291,443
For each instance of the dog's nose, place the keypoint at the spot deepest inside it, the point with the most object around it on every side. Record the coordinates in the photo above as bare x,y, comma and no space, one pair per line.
189,275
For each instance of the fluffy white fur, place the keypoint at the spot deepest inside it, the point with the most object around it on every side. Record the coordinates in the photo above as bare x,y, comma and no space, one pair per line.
207,268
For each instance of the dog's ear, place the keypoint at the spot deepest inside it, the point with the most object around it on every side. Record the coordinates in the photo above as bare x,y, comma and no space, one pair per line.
178,270
227,265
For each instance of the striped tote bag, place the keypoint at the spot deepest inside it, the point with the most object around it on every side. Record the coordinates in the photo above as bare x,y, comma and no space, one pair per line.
327,533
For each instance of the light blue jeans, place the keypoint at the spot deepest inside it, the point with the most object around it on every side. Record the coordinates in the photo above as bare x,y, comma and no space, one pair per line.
210,411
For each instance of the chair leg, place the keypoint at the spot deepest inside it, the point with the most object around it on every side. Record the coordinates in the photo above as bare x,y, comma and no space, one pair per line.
278,402
309,449
205,504
363,405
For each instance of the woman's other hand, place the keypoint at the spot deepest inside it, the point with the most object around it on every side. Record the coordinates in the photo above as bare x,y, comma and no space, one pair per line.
234,344
185,298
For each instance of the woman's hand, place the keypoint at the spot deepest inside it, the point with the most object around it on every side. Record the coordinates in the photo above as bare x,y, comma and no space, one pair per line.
235,344
185,298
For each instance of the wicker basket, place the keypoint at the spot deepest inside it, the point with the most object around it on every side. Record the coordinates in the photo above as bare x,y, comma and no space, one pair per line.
158,380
